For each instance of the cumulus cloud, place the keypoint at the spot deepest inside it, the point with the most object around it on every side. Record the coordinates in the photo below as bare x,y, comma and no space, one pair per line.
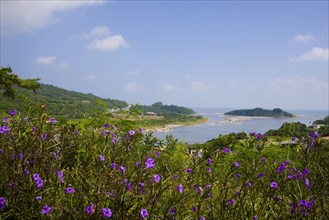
45,60
29,16
167,87
97,31
109,43
132,87
316,53
302,38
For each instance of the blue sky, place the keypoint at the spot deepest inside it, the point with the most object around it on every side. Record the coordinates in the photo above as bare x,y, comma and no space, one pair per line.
236,54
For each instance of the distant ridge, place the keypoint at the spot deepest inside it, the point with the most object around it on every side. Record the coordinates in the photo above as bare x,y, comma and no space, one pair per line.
260,112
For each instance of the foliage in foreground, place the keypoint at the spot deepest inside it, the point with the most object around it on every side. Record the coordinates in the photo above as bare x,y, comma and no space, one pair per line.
54,170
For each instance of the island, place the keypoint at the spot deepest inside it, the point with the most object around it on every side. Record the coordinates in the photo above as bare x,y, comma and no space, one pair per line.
260,112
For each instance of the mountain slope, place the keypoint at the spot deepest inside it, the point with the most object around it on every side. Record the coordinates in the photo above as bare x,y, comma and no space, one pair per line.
276,113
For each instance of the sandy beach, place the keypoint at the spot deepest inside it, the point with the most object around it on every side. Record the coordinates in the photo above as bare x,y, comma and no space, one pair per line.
239,119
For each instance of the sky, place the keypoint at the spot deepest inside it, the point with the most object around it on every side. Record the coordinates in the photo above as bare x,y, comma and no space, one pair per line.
233,54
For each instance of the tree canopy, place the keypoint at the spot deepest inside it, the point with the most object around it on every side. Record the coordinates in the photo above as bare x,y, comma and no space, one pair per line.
8,81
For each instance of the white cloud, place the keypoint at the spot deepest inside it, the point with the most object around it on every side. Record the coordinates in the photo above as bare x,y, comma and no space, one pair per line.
279,83
302,38
316,53
132,87
45,60
168,87
109,43
28,16
97,31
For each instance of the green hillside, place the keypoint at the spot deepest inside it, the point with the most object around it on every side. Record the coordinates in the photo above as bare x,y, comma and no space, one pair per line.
60,102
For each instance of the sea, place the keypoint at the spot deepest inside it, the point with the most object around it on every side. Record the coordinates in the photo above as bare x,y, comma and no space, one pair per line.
217,124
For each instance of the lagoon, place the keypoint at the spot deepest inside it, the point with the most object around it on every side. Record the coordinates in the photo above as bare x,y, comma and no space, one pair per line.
218,124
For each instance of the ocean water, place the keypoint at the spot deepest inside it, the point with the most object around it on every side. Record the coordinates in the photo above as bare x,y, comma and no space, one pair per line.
216,125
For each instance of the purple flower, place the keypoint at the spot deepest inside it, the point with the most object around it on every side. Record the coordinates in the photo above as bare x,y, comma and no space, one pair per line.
89,209
209,170
156,178
144,213
20,156
53,120
106,212
306,171
208,186
101,158
60,174
106,125
76,132
274,185
27,172
290,176
255,217
248,184
199,189
140,130
189,170
69,190
131,132
54,155
307,183
12,112
259,136
39,183
260,175
122,169
180,188
237,175
157,154
194,208
281,168
4,129
199,154
209,161
227,150
175,177
2,203
230,202
263,159
114,165
149,163
202,218
130,186
172,211
314,135
36,177
44,137
299,175
293,139
1,151
45,209
37,198
236,164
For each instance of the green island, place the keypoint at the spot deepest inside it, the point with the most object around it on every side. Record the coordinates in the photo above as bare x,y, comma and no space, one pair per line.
260,112
103,165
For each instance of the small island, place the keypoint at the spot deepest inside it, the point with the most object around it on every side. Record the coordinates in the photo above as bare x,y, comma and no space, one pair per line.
260,112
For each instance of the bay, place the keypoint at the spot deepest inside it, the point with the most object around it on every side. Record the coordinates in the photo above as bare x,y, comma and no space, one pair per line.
217,124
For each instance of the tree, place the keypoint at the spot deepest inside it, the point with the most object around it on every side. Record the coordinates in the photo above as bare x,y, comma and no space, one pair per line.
8,81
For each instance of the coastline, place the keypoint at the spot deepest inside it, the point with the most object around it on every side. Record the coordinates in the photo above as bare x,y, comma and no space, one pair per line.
170,127
232,119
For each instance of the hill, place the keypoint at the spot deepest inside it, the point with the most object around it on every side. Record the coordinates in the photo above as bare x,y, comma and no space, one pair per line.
60,102
260,112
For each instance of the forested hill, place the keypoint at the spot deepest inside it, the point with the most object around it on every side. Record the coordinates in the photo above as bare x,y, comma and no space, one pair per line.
159,108
60,102
276,113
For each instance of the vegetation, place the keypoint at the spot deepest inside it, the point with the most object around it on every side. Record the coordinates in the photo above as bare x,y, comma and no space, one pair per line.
276,113
54,170
8,82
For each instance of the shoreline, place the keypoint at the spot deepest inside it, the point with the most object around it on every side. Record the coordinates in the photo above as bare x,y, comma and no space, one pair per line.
170,127
232,119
